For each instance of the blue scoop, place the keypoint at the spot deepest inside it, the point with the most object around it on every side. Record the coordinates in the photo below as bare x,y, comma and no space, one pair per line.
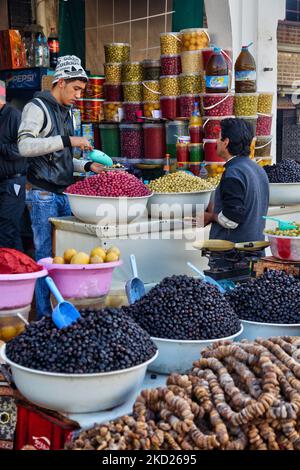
282,224
101,157
134,288
65,313
207,279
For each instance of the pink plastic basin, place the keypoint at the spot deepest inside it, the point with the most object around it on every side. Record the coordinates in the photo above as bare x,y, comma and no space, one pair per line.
81,280
16,290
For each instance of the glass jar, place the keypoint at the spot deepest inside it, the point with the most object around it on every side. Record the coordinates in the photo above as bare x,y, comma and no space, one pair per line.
170,64
132,72
154,142
173,130
117,52
111,110
110,139
151,69
132,142
169,106
133,91
151,90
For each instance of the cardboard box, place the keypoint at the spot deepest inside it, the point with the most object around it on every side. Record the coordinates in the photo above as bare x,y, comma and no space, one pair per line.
12,50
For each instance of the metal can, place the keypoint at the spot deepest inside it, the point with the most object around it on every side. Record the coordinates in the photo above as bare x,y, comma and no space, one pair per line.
79,104
94,87
93,110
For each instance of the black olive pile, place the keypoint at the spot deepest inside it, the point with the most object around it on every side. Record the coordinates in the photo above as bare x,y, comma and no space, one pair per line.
287,171
100,341
184,308
274,297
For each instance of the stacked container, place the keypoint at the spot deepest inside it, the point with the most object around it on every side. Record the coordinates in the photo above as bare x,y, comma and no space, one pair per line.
170,48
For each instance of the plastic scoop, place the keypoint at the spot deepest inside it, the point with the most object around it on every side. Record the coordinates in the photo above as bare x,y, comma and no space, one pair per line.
282,224
207,279
134,288
65,313
101,157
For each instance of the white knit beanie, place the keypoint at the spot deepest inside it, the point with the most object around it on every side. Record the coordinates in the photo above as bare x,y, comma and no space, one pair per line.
69,66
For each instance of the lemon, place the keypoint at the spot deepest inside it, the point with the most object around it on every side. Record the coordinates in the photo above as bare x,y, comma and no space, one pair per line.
98,251
58,260
80,258
68,254
7,332
96,259
114,249
111,256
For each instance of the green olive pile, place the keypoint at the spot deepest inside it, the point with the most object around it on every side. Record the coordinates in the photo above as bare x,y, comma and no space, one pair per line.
181,182
295,232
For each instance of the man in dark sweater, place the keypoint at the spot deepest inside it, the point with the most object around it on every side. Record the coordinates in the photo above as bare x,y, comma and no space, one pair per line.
242,197
12,176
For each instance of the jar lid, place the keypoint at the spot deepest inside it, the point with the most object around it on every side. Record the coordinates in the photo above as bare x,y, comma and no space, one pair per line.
112,84
150,81
176,123
117,44
113,102
93,99
192,74
115,64
163,56
246,117
151,63
246,94
264,115
217,118
169,33
188,30
138,103
195,145
215,95
172,98
131,83
109,125
130,126
156,125
102,77
198,51
168,76
151,102
209,141
190,95
134,62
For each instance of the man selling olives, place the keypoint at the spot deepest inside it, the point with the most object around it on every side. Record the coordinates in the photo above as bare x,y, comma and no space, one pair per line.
242,197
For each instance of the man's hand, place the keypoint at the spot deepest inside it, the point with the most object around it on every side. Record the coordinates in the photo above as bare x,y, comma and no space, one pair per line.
96,167
209,217
81,142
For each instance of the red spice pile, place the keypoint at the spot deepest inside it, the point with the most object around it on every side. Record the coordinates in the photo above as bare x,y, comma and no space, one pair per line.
15,262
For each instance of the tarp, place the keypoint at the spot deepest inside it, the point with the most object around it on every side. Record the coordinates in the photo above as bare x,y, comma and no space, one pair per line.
71,28
188,14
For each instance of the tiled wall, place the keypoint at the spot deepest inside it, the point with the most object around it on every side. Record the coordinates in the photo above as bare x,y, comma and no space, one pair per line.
138,22
288,35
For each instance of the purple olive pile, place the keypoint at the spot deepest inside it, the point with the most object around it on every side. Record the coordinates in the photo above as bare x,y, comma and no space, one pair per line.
287,171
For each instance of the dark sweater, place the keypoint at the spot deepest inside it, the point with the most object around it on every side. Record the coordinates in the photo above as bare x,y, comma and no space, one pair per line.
11,161
243,197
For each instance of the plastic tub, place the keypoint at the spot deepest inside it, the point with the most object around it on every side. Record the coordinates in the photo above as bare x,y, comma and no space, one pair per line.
182,154
214,169
16,290
264,124
265,102
169,85
93,110
170,64
210,151
94,87
113,92
285,248
133,91
78,393
253,330
151,106
212,126
154,143
117,52
192,62
151,90
111,110
174,129
245,104
187,104
132,142
132,110
194,39
191,83
132,72
196,134
218,104
169,106
110,139
11,324
196,153
176,356
284,194
107,210
113,73
81,280
263,146
170,43
252,120
151,69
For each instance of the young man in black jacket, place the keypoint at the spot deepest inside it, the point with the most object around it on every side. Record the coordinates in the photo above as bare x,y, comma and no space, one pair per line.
12,176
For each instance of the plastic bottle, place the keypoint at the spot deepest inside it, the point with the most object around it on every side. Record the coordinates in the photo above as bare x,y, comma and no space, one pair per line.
39,52
245,72
46,53
53,44
167,164
203,171
217,76
195,119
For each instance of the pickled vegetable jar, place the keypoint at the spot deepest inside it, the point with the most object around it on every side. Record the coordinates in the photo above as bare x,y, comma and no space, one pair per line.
170,64
113,91
154,142
151,90
150,106
170,43
117,52
174,129
263,146
113,73
218,104
169,106
187,104
245,104
151,69
169,85
132,72
111,110
110,139
132,142
193,39
192,62
133,91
